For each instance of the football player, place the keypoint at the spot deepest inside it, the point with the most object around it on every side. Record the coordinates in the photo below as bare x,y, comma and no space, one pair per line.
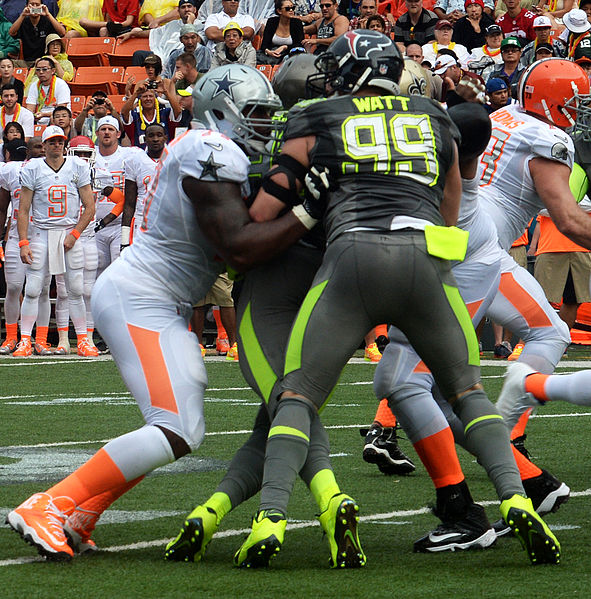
194,216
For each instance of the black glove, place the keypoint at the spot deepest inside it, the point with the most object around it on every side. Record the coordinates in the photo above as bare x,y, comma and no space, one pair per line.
317,184
123,246
100,224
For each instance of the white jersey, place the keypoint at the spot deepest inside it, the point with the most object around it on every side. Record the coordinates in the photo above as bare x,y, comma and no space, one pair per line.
507,190
115,165
140,169
56,201
170,245
10,180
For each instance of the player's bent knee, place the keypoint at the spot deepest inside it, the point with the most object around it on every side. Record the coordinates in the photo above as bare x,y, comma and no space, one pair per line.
178,445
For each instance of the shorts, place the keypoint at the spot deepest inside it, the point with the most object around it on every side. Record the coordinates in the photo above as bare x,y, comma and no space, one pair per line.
552,270
220,293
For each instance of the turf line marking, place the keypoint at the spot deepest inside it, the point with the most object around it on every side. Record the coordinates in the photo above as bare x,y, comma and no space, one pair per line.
244,531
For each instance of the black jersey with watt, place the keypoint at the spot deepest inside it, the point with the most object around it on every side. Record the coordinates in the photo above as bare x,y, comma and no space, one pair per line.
388,155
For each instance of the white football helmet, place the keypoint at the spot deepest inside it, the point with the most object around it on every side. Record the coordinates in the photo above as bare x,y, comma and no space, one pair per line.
239,102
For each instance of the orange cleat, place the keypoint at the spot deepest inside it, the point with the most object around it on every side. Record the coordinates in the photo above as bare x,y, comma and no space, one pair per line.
24,349
232,355
79,527
372,353
86,350
42,349
516,352
8,346
222,346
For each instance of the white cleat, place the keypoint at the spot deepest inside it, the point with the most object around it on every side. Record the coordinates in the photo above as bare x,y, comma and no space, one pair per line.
513,399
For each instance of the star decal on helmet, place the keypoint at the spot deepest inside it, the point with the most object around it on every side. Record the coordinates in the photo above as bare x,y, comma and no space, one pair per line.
210,167
224,86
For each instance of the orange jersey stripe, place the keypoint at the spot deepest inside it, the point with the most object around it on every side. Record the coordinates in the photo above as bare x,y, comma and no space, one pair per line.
523,302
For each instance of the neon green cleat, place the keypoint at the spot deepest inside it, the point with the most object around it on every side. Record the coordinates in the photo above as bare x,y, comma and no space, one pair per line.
264,541
534,535
196,533
339,522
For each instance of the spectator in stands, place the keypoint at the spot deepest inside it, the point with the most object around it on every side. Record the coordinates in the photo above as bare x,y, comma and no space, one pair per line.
71,12
62,117
215,23
497,91
11,131
12,111
509,69
443,33
186,74
13,8
469,30
544,51
555,9
415,25
9,47
32,27
367,8
307,11
149,110
349,8
490,53
576,35
50,91
119,16
376,23
450,72
7,76
99,105
517,22
282,33
166,38
585,5
190,42
585,63
153,66
153,13
414,51
327,28
543,29
234,48
55,49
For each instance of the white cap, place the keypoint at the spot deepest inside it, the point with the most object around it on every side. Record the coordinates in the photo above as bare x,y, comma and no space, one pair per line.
542,22
576,21
443,63
52,131
108,120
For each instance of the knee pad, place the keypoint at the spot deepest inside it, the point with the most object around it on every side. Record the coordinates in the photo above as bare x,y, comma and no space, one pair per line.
34,283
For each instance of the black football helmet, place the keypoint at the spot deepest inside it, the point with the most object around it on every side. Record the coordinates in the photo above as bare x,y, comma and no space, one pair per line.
357,59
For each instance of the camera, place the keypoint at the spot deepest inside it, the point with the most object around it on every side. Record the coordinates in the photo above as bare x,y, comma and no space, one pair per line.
36,10
152,85
99,101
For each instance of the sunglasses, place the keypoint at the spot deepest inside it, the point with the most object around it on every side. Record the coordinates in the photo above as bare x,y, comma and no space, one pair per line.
326,5
290,8
43,69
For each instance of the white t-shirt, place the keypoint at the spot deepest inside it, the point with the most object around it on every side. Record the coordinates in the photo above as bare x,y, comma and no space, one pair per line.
221,19
61,95
25,118
507,191
169,244
56,201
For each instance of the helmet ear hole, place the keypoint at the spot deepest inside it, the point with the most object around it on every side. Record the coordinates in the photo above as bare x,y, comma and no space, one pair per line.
218,114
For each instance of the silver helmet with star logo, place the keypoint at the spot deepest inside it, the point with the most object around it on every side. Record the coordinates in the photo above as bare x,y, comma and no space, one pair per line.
239,102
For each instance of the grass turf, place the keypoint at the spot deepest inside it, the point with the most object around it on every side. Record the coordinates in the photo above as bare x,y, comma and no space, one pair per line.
56,413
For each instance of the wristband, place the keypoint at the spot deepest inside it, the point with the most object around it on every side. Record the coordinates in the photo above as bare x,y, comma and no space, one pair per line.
23,242
301,214
75,233
125,233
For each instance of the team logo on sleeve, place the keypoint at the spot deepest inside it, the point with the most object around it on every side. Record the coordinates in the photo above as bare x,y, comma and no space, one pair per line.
210,167
559,152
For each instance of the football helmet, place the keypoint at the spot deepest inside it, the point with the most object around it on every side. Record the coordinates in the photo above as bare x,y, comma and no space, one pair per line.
414,80
83,147
556,89
356,59
289,81
474,125
239,102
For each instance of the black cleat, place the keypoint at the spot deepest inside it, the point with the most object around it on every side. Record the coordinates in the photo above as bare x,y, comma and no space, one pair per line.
381,448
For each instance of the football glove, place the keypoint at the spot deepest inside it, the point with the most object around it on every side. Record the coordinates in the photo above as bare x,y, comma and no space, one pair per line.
100,224
316,187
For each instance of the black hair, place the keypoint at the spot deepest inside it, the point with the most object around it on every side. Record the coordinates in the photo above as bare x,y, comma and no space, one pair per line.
15,125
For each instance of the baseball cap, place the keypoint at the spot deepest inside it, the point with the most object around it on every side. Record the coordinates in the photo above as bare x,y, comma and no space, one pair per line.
510,41
52,131
576,21
188,91
493,30
442,64
544,46
443,23
108,120
581,60
494,84
542,22
187,28
151,59
181,2
231,26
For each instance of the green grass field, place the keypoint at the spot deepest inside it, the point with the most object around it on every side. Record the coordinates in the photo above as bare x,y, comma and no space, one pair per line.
55,413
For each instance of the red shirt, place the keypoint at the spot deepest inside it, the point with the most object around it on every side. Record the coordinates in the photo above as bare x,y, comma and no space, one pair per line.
522,26
119,10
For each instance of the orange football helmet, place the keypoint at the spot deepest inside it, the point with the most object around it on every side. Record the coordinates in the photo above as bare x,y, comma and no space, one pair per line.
556,89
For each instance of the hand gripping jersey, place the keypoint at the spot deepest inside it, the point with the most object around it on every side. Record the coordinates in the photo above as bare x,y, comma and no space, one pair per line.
115,165
507,190
10,180
170,245
139,167
387,155
56,201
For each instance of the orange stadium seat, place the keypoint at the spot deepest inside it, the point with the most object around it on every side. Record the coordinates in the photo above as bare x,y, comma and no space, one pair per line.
123,51
138,72
88,51
117,101
20,73
38,130
77,103
265,69
257,41
87,80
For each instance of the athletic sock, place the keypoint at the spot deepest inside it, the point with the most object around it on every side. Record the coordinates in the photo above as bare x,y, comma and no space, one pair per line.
220,503
438,454
384,416
222,334
323,487
99,503
41,334
381,330
519,428
12,330
527,469
574,388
